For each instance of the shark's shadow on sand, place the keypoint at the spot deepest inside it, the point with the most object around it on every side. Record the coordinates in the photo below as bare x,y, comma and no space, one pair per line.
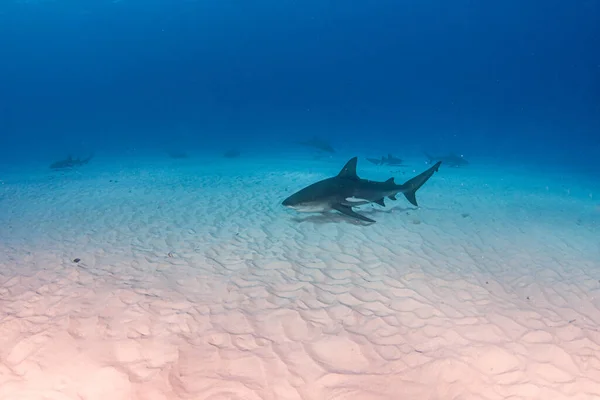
335,218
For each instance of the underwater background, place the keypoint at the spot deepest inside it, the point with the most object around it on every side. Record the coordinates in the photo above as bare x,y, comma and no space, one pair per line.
510,82
182,214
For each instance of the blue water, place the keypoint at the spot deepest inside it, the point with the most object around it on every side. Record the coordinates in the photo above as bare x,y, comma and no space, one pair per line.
140,276
508,82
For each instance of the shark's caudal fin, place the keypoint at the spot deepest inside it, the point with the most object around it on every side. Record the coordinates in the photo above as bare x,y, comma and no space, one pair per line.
411,186
349,170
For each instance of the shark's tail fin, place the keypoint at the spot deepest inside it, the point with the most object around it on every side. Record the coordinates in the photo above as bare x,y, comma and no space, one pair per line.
411,186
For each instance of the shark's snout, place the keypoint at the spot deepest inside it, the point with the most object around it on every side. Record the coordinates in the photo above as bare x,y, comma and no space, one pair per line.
287,202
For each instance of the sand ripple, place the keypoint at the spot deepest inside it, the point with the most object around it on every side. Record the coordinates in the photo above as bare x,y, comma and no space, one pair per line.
202,287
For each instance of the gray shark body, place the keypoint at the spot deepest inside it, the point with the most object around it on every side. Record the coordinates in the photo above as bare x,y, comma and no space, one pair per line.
451,159
232,153
346,190
318,144
177,154
389,160
70,162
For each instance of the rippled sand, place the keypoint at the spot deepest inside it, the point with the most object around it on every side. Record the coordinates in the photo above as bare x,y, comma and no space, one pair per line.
194,283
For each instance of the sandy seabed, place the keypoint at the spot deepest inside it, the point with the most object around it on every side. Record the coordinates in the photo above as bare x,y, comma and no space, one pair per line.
194,283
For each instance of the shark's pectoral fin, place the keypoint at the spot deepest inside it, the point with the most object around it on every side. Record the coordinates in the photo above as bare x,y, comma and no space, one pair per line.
350,213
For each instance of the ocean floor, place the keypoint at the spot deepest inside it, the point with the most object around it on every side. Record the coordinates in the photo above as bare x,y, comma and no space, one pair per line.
195,283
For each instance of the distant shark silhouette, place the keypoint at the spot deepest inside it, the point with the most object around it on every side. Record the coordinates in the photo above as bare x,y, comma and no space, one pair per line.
177,154
389,160
347,190
451,159
70,162
233,153
318,144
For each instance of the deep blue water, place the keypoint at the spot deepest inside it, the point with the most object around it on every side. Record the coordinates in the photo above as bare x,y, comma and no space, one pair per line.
511,80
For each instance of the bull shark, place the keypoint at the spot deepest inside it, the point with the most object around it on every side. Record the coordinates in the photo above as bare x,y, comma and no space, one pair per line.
451,159
233,153
177,154
389,160
318,144
346,190
70,162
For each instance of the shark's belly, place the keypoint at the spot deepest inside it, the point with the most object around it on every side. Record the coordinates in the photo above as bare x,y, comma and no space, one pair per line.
312,208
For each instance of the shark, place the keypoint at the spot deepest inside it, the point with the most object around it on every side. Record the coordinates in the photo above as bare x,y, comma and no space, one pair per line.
70,162
389,160
318,144
232,153
451,159
346,190
177,154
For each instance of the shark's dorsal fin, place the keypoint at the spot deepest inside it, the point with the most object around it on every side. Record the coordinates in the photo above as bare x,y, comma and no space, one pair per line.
391,180
349,170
